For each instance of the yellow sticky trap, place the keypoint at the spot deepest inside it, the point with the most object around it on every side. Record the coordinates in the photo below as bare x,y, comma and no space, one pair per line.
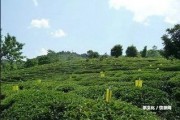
102,74
108,95
38,81
138,83
15,88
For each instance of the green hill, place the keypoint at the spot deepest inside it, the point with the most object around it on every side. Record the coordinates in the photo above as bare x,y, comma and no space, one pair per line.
76,89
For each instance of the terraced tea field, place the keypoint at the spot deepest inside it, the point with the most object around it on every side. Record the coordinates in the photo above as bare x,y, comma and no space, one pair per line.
76,89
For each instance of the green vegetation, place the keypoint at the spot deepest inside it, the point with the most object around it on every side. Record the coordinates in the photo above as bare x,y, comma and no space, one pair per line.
75,90
66,85
153,52
92,54
171,42
131,51
116,51
10,50
144,52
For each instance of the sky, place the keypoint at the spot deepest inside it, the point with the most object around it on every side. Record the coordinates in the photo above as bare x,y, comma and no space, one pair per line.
82,25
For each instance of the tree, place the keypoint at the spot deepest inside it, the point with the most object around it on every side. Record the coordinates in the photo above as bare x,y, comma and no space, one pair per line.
44,59
116,51
96,54
31,62
84,55
53,56
92,54
161,52
154,52
131,51
51,52
144,52
11,49
105,55
171,42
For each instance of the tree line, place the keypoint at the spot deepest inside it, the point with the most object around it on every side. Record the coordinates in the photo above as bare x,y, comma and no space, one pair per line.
11,54
132,51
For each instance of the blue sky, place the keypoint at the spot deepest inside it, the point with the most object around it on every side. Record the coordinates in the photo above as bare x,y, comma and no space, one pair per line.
81,25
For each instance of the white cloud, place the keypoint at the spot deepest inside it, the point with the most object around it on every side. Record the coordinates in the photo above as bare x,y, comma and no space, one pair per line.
35,2
43,51
58,33
143,9
40,23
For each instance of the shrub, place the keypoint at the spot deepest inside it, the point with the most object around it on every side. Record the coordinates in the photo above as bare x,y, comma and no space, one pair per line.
51,105
94,92
65,88
142,96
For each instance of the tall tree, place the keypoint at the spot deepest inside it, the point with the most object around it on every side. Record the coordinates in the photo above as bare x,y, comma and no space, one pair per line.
154,52
144,52
131,51
92,54
31,62
44,59
53,56
51,52
171,42
11,49
116,51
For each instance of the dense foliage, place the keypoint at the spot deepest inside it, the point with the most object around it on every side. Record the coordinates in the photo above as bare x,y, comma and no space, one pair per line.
92,54
56,105
75,89
131,51
154,52
31,63
11,50
171,42
144,52
116,51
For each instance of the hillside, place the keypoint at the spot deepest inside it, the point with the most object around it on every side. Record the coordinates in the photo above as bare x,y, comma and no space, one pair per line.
76,89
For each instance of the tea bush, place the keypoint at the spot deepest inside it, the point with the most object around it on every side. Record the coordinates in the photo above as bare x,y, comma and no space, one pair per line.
51,105
142,96
74,89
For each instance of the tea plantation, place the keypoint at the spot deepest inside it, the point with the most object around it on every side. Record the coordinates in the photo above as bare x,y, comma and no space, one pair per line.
76,90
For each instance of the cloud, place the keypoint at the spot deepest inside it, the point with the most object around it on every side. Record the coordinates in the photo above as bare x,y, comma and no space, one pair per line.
40,23
35,2
43,51
58,33
143,9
